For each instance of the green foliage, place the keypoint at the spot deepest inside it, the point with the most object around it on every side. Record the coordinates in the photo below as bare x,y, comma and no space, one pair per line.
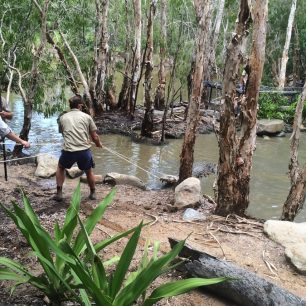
57,281
74,271
276,106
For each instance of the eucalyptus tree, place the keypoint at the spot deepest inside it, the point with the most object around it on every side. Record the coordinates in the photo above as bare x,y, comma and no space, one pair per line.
101,54
159,100
147,123
128,60
236,147
297,194
215,35
203,10
30,92
284,60
135,78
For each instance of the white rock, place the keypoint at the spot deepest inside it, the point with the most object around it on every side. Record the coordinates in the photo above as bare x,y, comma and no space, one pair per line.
285,232
293,237
46,166
191,214
270,126
188,193
296,253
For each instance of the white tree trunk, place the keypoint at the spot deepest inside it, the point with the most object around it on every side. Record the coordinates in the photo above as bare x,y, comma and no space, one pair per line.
282,73
81,75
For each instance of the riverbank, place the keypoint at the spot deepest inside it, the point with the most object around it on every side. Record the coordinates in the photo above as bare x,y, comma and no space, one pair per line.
240,241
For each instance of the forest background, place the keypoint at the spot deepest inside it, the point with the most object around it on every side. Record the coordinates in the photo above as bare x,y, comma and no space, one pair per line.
127,53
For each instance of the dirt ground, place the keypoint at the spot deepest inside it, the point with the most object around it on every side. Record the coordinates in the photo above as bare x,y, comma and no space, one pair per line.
238,240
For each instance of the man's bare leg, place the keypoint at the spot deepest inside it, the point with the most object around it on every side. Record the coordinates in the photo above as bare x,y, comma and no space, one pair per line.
91,183
60,178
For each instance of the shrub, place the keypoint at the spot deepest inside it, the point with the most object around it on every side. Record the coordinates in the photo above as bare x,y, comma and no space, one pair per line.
274,106
73,270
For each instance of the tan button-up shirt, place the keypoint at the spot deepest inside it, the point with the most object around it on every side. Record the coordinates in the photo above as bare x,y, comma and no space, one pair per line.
76,127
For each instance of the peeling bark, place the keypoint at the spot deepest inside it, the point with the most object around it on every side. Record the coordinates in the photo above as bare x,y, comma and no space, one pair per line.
137,55
147,123
102,56
236,149
123,99
186,162
159,101
297,194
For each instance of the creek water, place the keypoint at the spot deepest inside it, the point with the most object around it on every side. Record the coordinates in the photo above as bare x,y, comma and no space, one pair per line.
269,181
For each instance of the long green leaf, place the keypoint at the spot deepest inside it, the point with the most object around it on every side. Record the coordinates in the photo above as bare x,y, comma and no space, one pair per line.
99,275
83,274
103,244
98,271
39,282
72,212
132,291
179,287
29,210
92,220
124,262
6,274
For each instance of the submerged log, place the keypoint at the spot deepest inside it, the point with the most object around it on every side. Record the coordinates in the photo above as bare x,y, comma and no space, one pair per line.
246,288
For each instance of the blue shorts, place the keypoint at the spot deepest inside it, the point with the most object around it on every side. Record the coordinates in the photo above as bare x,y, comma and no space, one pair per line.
83,159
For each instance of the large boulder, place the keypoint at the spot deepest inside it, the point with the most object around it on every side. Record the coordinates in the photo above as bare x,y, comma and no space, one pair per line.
270,126
285,232
295,253
46,166
188,193
293,237
114,178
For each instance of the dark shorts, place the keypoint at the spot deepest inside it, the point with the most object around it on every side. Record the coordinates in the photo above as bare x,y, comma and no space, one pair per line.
83,159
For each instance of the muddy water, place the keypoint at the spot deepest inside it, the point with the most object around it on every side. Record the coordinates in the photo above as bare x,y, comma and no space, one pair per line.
269,182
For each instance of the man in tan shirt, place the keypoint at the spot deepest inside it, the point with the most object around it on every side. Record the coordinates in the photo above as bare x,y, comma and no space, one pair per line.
77,128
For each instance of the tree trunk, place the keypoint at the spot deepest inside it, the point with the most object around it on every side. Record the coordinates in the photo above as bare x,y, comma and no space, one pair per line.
297,62
159,101
245,288
282,73
102,55
186,162
137,55
296,197
215,36
87,96
123,99
236,150
29,98
147,123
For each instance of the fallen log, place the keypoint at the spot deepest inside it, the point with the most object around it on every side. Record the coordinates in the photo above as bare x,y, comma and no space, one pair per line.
245,288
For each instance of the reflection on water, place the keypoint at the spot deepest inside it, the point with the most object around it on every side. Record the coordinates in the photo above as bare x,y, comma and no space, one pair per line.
269,181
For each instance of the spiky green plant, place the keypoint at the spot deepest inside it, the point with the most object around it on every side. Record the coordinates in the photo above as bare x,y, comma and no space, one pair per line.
57,281
73,270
